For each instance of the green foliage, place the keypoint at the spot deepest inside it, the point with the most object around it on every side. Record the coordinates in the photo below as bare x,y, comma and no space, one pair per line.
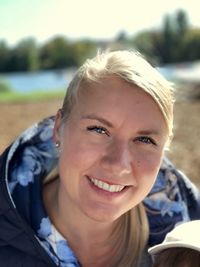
182,24
38,95
175,42
4,87
61,53
143,42
25,56
122,37
4,55
57,54
169,46
192,45
83,50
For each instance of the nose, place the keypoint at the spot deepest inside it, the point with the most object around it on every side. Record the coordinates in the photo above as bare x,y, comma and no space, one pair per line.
117,159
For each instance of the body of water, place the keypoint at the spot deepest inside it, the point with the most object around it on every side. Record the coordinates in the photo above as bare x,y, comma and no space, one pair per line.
40,80
46,80
59,79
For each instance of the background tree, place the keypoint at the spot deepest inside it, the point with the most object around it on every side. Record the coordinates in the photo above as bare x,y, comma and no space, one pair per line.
192,40
170,44
4,56
143,42
24,57
84,49
57,54
174,42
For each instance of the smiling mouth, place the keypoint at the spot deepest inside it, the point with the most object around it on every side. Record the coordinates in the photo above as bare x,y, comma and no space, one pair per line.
107,187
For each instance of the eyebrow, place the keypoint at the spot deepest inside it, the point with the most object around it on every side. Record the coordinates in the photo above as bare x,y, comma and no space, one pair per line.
109,124
148,132
97,118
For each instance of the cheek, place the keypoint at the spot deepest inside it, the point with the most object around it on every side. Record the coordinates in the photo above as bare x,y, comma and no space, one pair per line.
149,161
79,154
147,170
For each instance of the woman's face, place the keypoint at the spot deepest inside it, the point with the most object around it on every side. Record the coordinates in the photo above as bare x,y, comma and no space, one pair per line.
111,149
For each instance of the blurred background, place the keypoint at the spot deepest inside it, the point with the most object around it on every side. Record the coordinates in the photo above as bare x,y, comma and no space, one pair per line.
42,43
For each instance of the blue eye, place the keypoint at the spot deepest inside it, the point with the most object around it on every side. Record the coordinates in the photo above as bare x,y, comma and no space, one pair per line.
146,140
98,129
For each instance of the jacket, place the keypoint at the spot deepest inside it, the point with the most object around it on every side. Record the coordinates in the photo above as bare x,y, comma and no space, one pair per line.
25,239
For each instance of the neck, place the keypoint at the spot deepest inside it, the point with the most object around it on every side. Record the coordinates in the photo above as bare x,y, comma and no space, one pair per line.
82,233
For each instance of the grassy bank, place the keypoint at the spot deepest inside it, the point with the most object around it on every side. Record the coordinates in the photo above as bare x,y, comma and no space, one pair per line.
37,95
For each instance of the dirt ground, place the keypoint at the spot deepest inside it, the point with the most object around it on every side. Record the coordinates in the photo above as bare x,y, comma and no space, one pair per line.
185,148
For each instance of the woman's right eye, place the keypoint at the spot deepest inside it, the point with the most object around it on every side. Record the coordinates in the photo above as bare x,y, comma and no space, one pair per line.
98,130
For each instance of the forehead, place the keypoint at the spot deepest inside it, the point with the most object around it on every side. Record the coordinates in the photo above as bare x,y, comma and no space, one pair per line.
115,98
108,87
113,89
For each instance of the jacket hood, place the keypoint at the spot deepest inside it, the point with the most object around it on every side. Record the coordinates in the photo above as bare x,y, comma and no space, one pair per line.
33,156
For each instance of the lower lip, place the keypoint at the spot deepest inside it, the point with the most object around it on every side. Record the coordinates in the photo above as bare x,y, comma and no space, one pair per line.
104,192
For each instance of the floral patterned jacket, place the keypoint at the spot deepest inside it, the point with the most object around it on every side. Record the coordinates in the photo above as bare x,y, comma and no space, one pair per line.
27,236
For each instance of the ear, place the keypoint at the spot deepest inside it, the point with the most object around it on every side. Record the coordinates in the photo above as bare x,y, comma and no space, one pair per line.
57,127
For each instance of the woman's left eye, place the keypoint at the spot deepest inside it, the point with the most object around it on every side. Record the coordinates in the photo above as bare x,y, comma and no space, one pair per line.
98,129
146,140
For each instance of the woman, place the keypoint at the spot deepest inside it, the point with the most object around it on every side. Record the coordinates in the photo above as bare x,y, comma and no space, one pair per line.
109,138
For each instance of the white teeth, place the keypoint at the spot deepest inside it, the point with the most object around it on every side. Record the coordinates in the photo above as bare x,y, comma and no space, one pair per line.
107,187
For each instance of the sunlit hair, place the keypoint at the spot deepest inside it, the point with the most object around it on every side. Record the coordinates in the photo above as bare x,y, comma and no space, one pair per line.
130,238
131,234
131,67
177,257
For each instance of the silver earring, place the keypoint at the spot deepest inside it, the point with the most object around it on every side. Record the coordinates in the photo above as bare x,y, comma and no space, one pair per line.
57,144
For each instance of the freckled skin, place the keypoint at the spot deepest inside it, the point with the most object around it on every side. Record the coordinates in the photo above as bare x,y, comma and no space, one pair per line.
104,139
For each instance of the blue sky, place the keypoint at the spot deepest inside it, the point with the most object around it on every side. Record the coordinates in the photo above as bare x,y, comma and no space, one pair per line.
43,19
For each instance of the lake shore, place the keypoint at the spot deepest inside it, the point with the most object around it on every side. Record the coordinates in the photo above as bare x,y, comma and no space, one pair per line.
184,150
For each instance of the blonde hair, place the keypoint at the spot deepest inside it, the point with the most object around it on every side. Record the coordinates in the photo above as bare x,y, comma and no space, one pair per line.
130,237
131,67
